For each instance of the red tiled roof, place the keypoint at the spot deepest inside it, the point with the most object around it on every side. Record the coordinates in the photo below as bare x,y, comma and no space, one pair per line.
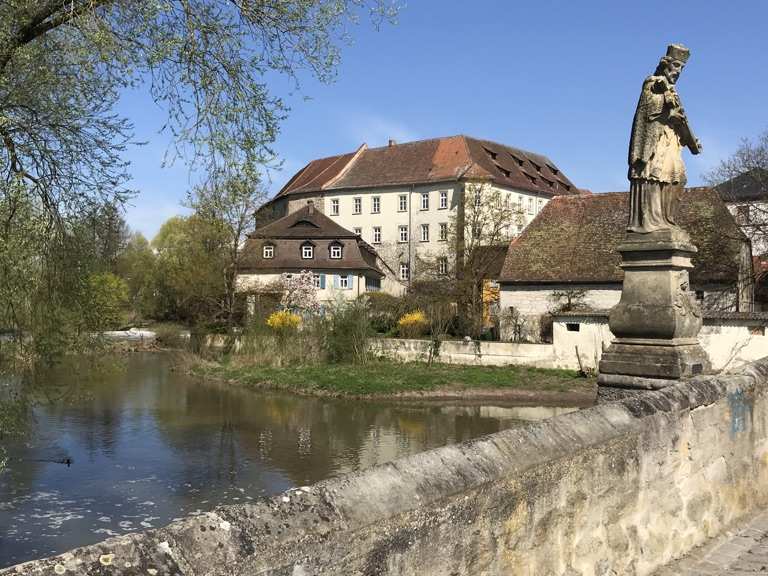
435,160
574,239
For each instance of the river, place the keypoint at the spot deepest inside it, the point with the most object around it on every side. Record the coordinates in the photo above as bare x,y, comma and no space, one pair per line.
113,451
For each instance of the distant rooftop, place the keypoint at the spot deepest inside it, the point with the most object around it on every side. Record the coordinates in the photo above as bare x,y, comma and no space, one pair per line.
750,186
435,160
574,239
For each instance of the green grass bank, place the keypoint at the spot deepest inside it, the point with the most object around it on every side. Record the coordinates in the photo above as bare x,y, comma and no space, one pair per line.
402,380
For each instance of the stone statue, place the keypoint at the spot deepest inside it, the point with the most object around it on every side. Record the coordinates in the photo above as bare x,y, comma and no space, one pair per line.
660,130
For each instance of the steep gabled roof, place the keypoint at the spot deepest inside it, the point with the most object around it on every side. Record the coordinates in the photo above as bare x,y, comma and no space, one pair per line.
748,187
574,239
434,160
307,222
290,232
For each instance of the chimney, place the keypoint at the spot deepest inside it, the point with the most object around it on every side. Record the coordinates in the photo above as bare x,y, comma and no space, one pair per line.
311,204
392,142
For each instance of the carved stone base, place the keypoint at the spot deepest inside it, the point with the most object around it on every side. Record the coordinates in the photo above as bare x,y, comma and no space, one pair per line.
651,366
657,320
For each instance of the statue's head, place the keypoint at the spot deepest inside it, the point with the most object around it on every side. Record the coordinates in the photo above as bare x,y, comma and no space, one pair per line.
673,62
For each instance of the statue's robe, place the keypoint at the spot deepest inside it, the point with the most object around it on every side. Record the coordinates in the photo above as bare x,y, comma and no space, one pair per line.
656,169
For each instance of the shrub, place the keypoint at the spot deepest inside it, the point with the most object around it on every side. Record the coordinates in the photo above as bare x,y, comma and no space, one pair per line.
384,310
413,324
348,331
283,321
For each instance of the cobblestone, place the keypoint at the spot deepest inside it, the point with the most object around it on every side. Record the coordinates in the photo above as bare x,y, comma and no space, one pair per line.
742,551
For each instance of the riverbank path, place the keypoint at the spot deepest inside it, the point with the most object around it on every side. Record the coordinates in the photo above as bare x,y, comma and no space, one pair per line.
742,551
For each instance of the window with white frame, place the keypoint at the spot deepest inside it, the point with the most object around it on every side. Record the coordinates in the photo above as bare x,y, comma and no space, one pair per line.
344,282
335,251
442,266
376,204
443,199
307,251
402,233
402,203
478,198
359,231
443,231
530,205
541,205
334,207
357,205
268,251
377,234
425,232
405,271
317,282
425,200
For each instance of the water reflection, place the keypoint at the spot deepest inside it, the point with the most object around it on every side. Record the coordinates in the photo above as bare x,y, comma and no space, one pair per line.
148,444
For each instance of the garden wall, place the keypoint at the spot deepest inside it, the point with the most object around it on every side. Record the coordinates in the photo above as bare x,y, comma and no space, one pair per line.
729,338
468,352
617,489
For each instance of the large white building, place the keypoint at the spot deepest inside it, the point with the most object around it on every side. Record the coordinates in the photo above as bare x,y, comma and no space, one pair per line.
747,198
401,198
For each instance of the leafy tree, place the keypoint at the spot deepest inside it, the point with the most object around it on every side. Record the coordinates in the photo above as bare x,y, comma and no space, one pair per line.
229,204
108,301
191,254
137,265
63,66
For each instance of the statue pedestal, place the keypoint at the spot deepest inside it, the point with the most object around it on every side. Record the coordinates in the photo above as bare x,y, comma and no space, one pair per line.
657,320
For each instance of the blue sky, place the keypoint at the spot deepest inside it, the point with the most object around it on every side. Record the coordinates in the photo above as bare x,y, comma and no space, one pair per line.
556,77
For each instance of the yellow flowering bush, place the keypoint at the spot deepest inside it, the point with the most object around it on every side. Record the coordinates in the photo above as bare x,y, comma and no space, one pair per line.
413,324
283,321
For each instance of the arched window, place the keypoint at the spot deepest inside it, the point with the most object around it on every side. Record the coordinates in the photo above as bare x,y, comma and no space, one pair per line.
268,251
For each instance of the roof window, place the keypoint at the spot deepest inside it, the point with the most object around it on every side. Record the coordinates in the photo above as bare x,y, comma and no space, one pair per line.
335,251
490,153
503,170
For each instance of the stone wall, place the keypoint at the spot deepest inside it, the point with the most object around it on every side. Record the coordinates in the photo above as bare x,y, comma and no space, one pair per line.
468,352
730,338
532,302
618,489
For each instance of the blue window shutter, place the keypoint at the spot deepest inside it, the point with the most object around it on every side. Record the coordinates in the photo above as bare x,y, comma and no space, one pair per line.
350,280
335,280
322,281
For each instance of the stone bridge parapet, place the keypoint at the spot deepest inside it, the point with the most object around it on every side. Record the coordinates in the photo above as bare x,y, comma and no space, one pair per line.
620,488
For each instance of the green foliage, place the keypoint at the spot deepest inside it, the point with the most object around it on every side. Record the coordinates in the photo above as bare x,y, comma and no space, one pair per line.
384,310
137,265
190,273
349,330
63,66
108,295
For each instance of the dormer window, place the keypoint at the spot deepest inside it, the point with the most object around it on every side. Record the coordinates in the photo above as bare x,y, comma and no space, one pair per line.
268,251
335,251
307,251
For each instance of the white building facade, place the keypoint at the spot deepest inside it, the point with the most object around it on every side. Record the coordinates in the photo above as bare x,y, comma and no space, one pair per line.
404,199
